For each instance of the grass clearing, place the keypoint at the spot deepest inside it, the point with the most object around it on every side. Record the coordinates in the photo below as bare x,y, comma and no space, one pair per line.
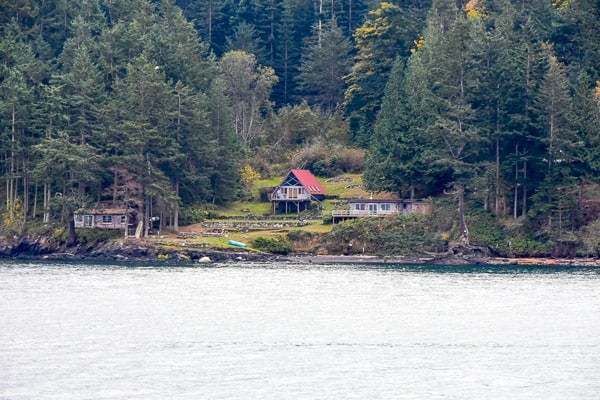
343,186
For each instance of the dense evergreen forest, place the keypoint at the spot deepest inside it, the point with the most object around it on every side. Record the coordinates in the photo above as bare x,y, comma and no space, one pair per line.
165,105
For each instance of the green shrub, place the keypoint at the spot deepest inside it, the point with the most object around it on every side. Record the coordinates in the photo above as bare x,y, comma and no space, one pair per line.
276,245
590,238
329,161
350,160
298,235
394,235
95,235
196,214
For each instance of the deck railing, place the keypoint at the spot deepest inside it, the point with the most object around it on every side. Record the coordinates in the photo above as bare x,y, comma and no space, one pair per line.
285,197
362,213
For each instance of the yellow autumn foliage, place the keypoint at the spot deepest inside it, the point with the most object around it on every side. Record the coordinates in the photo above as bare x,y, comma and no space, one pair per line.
249,176
418,44
560,5
475,10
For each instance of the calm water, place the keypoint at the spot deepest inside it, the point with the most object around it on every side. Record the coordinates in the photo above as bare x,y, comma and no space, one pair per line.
257,331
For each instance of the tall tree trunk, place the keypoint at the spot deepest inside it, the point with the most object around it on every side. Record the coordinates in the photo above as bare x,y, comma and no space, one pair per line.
7,190
176,211
11,179
497,199
71,223
35,201
349,17
126,206
147,216
25,195
464,231
46,218
210,18
516,199
524,205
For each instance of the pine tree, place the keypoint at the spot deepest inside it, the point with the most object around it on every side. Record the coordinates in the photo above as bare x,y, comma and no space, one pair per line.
245,38
224,168
388,33
67,168
144,113
553,110
20,76
325,61
440,71
82,93
395,162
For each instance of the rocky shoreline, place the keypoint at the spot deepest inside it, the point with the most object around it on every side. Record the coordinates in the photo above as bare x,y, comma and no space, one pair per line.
42,248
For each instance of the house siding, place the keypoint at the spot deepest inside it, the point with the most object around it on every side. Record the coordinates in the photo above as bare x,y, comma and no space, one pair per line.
358,208
296,192
109,220
290,193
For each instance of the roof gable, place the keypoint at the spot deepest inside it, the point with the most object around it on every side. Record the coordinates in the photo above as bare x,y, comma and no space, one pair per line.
306,179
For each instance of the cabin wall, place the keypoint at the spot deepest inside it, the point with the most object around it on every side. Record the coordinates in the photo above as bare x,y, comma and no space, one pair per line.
387,208
290,193
100,221
374,208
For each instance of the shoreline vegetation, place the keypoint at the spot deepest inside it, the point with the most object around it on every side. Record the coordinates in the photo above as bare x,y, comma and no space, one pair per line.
309,237
160,118
133,250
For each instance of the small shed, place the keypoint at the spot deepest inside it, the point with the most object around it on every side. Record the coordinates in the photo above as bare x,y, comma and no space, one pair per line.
381,207
296,191
105,218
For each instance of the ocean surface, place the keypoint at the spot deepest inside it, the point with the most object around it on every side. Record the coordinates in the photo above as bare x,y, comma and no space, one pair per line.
265,331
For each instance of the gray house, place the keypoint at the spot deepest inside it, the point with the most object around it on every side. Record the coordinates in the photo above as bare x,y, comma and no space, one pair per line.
105,218
358,208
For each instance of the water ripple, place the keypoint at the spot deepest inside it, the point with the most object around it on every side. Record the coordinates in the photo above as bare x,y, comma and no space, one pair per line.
262,331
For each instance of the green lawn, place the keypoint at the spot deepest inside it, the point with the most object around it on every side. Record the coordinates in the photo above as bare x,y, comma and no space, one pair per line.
343,186
349,186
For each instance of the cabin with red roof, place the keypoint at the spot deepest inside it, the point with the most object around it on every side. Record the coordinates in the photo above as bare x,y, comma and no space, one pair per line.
296,192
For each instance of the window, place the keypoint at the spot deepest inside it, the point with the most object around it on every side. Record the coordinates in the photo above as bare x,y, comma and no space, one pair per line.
123,219
78,218
360,207
107,219
385,207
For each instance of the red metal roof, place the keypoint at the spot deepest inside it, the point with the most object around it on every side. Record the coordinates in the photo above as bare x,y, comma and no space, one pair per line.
309,181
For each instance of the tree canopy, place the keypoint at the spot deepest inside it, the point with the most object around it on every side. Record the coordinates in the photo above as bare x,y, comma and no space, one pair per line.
158,103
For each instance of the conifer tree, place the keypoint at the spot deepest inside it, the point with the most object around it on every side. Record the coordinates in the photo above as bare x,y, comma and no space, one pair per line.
325,61
395,162
553,111
388,32
145,108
